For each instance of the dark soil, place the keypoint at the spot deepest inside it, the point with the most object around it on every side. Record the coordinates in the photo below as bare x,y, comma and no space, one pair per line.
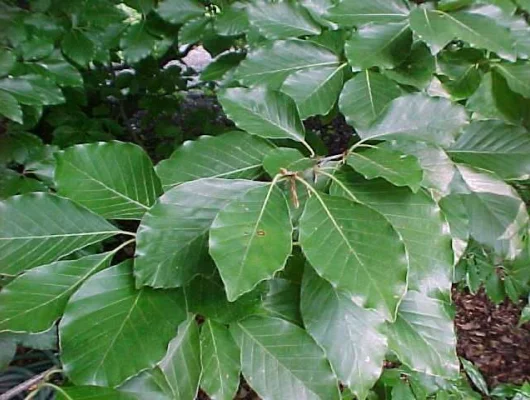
489,336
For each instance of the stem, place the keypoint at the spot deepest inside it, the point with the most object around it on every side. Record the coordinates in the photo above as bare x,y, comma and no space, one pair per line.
57,389
308,147
121,246
26,385
342,186
128,233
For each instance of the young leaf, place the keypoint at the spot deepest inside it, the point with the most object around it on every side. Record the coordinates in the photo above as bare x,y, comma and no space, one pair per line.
10,108
263,112
251,239
359,12
475,376
396,167
106,315
440,120
423,336
365,96
113,179
517,76
384,46
220,362
235,155
281,20
179,11
40,228
357,250
34,300
172,237
495,146
349,334
280,360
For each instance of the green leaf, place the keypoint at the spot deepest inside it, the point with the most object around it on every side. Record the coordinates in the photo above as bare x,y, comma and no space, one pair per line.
251,239
525,313
359,12
417,70
319,10
172,240
36,48
438,28
524,4
357,250
194,30
517,76
272,64
7,62
263,112
235,155
475,376
220,362
32,90
78,47
440,120
417,218
106,315
314,90
280,360
148,385
40,228
179,11
365,96
396,167
8,349
281,20
233,20
113,179
222,67
35,300
423,336
285,158
384,46
10,108
495,146
350,335
92,392
402,391
137,43
283,300
62,72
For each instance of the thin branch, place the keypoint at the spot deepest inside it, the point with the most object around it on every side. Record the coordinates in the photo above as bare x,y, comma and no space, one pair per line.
26,385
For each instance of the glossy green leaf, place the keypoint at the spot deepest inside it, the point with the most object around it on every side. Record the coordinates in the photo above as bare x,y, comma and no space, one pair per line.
37,298
172,237
281,20
283,300
194,30
62,72
417,70
137,43
440,120
423,336
40,228
148,385
280,360
272,64
92,392
179,11
236,155
113,179
78,47
357,250
358,12
384,46
220,362
10,108
251,239
365,96
319,10
350,335
107,315
438,28
232,21
495,146
263,112
32,90
285,158
7,62
314,90
396,167
475,376
517,76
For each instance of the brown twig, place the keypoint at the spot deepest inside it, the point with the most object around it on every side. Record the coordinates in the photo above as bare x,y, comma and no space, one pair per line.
26,385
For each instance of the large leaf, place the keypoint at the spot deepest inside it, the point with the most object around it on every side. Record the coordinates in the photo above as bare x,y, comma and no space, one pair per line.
220,362
113,179
263,112
419,117
418,220
357,250
280,360
315,90
107,316
417,70
78,47
365,96
34,300
438,28
283,300
137,43
396,167
281,20
91,393
231,155
179,11
39,228
251,239
383,45
172,237
32,90
358,12
9,107
517,76
270,65
350,335
423,336
495,146
148,385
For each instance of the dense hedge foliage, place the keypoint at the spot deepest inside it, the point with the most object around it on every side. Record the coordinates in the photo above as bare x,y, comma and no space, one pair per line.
255,252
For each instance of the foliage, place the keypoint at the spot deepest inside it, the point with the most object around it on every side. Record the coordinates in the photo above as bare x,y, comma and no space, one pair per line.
253,253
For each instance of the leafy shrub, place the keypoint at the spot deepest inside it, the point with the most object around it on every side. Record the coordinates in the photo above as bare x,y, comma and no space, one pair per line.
299,270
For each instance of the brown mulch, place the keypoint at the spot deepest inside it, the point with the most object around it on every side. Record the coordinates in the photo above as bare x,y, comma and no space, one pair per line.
488,336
